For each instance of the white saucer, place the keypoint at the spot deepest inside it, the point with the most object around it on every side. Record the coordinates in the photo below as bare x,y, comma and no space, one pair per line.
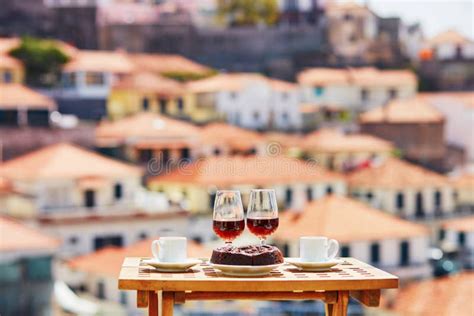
313,266
172,266
245,271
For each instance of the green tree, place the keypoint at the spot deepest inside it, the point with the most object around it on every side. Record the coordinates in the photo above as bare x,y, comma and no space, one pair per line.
43,60
247,12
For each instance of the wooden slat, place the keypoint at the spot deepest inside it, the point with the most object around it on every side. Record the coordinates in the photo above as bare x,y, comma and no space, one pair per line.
352,275
268,296
142,299
153,303
369,298
168,304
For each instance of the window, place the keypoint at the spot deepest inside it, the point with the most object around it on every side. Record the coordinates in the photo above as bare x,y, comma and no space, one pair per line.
212,197
309,194
118,191
318,91
419,209
329,189
38,269
364,94
400,201
185,153
217,151
441,234
288,196
145,104
180,104
101,290
69,79
165,155
233,95
142,236
237,118
462,239
369,196
437,199
10,272
404,253
345,251
375,253
95,79
89,198
145,155
123,298
352,38
7,76
113,240
392,93
73,240
163,106
348,17
284,117
256,116
284,95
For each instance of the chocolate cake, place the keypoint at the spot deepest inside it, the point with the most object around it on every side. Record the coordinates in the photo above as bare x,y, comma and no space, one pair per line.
253,255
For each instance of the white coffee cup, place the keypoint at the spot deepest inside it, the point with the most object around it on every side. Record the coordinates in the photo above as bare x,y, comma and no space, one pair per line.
170,249
318,249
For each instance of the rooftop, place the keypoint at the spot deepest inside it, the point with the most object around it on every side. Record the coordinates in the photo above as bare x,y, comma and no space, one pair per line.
167,63
64,160
8,62
415,110
225,134
464,181
445,296
15,96
451,98
364,76
108,261
330,140
237,82
15,236
257,170
463,224
100,61
147,82
145,126
449,37
343,219
395,173
8,43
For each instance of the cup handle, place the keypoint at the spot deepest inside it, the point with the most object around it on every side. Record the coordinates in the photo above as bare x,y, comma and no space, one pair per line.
333,249
154,248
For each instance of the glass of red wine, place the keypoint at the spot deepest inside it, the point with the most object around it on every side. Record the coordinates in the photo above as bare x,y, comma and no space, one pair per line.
228,218
262,213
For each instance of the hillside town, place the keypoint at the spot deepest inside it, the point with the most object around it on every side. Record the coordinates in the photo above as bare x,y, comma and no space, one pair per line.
135,113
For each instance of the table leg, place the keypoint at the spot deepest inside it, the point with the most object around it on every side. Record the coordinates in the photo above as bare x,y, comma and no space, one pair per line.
168,304
340,307
152,303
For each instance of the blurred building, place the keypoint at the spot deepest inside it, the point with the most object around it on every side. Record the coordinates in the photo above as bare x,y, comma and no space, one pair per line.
11,69
295,182
150,138
459,233
26,279
356,89
464,188
345,152
87,200
413,125
447,62
443,296
393,244
250,100
96,273
403,189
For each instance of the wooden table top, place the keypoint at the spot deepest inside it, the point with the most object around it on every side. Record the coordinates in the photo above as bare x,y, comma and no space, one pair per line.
352,274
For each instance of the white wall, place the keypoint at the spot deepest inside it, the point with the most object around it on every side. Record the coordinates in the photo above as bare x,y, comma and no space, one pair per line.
82,90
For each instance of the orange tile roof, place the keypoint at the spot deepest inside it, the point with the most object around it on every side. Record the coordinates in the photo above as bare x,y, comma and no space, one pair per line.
283,139
396,173
464,98
327,140
108,261
15,236
236,82
345,220
446,296
323,76
146,126
232,136
449,36
100,61
351,6
147,82
5,186
415,110
167,63
8,62
8,43
463,224
365,76
14,95
257,170
464,181
64,161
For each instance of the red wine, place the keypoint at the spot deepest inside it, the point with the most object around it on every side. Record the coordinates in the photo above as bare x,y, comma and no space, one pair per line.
262,227
228,230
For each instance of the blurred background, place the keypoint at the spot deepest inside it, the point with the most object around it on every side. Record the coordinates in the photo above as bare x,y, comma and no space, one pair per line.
119,120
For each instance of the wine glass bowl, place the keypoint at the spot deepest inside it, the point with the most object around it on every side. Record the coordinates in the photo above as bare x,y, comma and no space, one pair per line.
262,213
228,216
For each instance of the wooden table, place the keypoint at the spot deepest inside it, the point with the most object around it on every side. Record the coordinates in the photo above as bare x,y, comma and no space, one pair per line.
352,278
